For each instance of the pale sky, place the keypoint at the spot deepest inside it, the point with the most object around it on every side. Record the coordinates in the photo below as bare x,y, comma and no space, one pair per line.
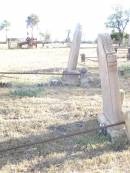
56,16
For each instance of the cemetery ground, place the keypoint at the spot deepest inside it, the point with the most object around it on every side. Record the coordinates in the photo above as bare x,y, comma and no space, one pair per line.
31,111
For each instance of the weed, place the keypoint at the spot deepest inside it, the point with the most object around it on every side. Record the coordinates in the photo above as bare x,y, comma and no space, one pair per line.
27,91
124,69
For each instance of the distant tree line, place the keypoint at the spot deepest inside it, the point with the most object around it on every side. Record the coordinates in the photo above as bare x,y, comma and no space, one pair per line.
117,21
31,23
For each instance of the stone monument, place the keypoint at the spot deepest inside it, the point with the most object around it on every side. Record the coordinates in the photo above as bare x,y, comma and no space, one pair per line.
71,75
112,106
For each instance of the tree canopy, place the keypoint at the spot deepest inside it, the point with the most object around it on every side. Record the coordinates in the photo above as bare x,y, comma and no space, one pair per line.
5,26
46,36
32,21
118,20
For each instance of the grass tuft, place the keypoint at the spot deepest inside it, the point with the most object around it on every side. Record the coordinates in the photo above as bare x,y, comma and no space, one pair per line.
94,140
27,92
125,68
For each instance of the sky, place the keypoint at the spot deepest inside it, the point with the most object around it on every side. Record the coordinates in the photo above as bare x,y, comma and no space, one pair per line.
57,16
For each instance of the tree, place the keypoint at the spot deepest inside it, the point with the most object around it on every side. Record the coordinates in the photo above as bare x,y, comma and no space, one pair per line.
116,36
118,21
5,26
47,37
32,21
41,35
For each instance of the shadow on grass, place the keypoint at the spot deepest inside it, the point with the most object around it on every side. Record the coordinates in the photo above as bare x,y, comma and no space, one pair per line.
85,146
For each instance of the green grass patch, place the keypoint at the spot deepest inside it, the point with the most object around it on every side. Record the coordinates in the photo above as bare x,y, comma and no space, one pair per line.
27,92
95,140
125,68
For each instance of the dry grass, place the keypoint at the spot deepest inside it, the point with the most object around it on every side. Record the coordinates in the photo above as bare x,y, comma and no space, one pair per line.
54,112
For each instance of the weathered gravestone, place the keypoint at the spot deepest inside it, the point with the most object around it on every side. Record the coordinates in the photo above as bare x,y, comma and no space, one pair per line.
112,106
128,55
71,75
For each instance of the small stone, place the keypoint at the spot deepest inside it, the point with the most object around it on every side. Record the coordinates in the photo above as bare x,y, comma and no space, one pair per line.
5,85
55,82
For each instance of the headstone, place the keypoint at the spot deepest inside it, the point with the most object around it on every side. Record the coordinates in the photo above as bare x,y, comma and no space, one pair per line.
128,55
74,51
73,79
82,57
112,111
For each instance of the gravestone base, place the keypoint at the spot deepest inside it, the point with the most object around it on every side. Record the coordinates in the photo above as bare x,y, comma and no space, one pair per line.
71,77
117,133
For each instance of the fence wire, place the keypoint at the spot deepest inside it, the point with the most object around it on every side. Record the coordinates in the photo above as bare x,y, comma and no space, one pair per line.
34,73
61,137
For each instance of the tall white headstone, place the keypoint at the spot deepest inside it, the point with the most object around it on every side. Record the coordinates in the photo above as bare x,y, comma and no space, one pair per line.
112,111
75,47
71,75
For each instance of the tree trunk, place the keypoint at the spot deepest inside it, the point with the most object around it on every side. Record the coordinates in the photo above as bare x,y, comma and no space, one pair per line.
32,31
120,38
6,35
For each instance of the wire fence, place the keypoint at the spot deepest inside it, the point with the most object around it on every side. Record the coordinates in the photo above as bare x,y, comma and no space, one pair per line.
61,137
38,73
102,128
